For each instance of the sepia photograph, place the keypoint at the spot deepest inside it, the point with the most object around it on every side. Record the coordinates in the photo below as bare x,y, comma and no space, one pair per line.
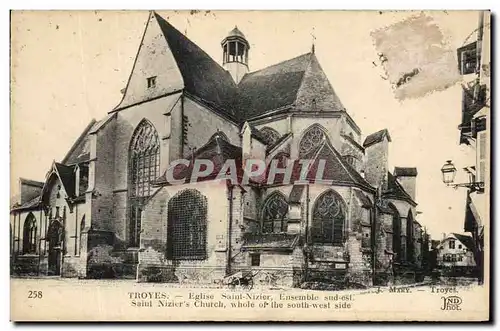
211,165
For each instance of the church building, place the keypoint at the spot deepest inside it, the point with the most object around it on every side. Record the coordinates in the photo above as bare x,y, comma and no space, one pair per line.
110,208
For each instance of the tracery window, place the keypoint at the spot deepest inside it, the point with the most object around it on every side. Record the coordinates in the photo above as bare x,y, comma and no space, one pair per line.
312,138
328,219
144,167
187,226
270,135
29,235
275,213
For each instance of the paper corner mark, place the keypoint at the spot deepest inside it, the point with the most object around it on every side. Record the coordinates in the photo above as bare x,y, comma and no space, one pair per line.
415,57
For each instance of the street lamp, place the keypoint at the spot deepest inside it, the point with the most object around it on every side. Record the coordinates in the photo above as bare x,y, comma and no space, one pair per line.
449,172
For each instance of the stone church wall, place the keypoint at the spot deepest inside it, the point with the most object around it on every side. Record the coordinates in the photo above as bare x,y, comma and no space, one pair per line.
201,124
153,264
126,122
332,125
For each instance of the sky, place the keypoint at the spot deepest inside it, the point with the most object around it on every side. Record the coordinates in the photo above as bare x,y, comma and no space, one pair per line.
69,67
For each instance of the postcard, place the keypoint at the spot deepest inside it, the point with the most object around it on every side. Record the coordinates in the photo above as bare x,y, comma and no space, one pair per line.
250,165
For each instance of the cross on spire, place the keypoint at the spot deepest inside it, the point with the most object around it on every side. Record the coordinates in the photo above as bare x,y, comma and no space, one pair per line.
313,40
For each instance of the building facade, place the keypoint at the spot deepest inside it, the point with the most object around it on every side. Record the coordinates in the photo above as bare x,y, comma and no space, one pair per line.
111,207
455,254
475,66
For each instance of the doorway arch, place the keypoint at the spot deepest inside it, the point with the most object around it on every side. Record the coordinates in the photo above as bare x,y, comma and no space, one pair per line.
55,239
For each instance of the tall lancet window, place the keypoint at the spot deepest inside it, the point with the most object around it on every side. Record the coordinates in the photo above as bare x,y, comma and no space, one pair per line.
144,167
329,216
187,226
29,235
275,213
312,138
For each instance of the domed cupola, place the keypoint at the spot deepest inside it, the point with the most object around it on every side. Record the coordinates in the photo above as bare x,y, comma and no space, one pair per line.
235,54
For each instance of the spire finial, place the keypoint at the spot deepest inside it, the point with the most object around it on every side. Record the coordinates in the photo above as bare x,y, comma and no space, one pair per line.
313,40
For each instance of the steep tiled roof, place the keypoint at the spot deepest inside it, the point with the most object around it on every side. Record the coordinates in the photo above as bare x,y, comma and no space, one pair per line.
67,175
395,190
376,137
466,240
203,77
405,172
336,169
79,151
217,150
272,87
31,182
31,204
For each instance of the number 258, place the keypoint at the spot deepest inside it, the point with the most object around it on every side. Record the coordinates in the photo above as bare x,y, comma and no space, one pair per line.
35,294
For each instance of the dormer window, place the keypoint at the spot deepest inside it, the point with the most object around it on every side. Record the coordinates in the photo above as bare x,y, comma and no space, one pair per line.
151,82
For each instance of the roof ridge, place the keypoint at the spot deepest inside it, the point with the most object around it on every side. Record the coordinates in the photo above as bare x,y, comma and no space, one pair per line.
117,107
157,16
304,75
276,64
341,161
398,184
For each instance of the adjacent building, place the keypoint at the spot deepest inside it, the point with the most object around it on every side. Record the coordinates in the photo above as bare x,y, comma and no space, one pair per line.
475,66
455,254
111,208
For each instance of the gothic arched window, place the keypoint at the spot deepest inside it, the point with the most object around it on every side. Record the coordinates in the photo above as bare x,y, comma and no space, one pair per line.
312,138
144,167
396,233
29,235
409,237
187,226
275,213
328,219
270,135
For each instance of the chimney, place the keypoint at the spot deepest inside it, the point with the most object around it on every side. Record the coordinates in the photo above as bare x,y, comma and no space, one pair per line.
377,155
407,177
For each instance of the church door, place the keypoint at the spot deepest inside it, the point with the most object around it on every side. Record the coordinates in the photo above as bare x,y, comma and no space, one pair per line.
55,238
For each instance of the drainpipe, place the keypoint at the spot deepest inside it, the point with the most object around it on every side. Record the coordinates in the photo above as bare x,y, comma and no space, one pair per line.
374,218
76,229
40,243
19,236
306,275
479,41
63,248
229,227
182,126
